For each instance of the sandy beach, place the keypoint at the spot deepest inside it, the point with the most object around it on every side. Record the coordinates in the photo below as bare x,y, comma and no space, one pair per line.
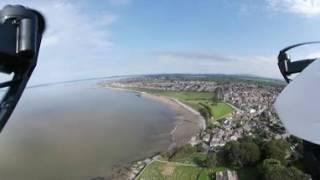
188,123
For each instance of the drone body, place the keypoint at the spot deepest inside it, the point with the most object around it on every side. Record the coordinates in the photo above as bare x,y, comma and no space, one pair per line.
298,105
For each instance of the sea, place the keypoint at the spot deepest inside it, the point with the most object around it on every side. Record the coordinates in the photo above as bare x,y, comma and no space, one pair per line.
79,130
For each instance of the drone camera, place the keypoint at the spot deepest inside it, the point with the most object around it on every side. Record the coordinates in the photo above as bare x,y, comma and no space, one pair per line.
21,31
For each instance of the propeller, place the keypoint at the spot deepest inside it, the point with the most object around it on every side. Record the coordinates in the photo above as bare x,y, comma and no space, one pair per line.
287,67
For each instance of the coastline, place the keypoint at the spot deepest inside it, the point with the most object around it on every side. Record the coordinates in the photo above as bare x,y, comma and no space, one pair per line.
188,122
188,125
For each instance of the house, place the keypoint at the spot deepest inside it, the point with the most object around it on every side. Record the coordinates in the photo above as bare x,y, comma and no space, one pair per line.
227,175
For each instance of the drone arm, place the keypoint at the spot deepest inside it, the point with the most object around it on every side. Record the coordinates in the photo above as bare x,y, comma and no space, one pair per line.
11,98
297,66
9,83
25,28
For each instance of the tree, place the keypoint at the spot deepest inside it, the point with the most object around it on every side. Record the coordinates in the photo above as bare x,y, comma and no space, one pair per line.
296,174
214,99
232,153
242,153
211,161
204,113
272,169
250,153
276,149
199,147
257,140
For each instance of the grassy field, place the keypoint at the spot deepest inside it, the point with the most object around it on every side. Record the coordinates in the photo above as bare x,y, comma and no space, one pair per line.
196,100
189,155
171,171
220,110
188,158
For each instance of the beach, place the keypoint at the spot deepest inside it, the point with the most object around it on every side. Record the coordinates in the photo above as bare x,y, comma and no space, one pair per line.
188,123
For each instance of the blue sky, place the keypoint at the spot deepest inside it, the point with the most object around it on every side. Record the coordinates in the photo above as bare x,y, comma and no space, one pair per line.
116,37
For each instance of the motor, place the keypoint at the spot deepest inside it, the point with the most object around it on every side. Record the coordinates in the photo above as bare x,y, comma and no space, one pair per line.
21,31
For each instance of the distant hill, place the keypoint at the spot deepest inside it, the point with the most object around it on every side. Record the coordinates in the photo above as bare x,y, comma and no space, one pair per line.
215,77
204,77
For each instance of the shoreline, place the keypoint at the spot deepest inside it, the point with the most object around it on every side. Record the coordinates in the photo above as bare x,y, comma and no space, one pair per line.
188,122
187,127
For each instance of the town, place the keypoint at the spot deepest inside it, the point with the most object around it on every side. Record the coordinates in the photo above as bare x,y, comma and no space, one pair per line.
253,114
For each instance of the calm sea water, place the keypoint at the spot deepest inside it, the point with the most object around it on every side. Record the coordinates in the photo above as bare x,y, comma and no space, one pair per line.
80,131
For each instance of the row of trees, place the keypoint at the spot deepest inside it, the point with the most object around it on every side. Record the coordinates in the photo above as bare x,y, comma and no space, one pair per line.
272,169
241,154
248,151
269,157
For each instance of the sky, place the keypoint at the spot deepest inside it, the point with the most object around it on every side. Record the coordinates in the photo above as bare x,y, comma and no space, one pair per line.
97,38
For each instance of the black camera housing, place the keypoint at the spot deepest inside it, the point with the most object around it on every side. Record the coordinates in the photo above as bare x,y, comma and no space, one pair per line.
21,31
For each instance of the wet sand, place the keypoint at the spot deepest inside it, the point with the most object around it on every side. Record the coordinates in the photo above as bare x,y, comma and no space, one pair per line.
188,121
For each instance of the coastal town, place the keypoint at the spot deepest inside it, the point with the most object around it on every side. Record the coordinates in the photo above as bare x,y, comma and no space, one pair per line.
252,114
253,105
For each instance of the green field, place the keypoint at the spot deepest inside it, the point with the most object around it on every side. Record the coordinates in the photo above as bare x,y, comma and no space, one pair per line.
171,171
196,100
189,158
220,110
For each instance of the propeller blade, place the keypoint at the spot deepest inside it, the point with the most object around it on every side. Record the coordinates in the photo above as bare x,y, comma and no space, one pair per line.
299,44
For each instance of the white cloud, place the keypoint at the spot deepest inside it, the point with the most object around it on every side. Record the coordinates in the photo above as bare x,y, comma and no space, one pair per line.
202,62
76,42
202,56
308,8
